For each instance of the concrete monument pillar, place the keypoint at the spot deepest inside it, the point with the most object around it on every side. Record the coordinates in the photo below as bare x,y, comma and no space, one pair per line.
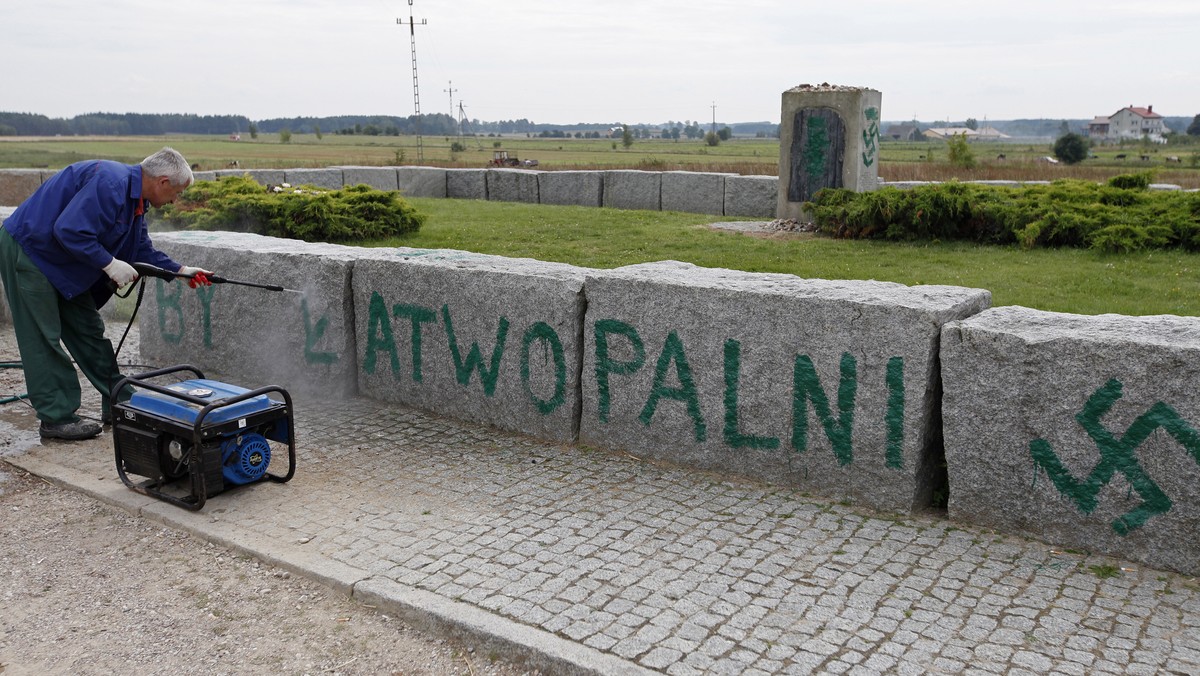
828,138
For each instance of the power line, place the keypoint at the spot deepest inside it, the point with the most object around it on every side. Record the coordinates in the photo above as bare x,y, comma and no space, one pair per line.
412,31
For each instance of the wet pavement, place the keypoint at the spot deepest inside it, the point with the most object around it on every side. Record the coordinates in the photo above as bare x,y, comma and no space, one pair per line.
580,560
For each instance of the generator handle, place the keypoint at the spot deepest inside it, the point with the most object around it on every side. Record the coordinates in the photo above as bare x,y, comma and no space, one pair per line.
140,380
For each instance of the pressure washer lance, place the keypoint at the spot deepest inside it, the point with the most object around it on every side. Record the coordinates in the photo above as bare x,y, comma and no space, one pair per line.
147,270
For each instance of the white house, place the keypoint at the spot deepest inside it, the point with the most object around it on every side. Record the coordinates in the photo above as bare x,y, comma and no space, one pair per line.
1136,123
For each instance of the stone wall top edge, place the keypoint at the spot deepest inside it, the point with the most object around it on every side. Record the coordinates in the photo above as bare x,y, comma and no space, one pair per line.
470,261
253,243
929,297
1044,326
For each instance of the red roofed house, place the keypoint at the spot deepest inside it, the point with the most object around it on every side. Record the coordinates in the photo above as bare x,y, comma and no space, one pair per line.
1135,123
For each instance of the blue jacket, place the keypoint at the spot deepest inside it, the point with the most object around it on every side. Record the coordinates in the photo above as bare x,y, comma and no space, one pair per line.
79,220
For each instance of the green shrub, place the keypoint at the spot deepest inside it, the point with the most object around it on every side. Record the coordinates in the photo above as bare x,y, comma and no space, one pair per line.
312,214
1119,217
1138,181
1071,148
959,151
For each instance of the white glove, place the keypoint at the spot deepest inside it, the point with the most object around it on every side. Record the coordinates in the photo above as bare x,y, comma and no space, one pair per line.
196,277
188,271
120,272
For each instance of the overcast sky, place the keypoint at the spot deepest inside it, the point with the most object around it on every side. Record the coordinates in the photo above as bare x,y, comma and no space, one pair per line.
565,61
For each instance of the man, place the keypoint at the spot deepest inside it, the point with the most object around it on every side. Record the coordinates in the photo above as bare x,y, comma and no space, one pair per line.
62,254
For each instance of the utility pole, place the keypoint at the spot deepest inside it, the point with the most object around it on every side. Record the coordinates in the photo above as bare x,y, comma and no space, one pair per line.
714,124
451,90
412,31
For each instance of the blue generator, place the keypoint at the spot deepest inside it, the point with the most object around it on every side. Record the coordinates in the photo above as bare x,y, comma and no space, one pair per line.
194,438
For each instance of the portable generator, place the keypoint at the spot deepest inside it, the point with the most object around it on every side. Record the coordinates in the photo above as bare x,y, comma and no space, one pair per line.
196,438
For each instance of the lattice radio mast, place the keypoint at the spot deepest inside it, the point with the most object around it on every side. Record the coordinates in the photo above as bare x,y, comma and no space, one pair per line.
412,31
451,91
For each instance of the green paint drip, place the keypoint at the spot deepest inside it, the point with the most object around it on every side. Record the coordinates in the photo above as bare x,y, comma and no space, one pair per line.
686,392
733,437
545,333
416,315
895,413
379,336
604,365
806,386
474,361
205,294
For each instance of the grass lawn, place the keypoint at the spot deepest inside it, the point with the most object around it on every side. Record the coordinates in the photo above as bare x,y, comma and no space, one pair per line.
1060,280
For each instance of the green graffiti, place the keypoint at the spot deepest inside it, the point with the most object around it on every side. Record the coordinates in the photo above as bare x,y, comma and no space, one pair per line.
169,302
733,437
545,333
205,294
605,365
379,336
816,146
807,386
312,334
686,392
870,136
1117,456
474,360
417,315
895,413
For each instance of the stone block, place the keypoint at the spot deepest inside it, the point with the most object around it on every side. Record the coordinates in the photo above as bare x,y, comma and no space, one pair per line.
512,185
828,386
204,175
16,185
694,192
572,188
421,181
482,338
321,178
632,189
751,196
466,184
302,340
380,178
1081,431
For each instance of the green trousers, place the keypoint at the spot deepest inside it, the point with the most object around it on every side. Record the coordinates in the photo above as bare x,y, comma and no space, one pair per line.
45,322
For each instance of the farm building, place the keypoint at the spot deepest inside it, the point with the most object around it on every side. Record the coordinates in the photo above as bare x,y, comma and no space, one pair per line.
1130,123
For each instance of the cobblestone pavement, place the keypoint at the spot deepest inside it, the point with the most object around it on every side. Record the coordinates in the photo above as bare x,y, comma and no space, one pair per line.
595,561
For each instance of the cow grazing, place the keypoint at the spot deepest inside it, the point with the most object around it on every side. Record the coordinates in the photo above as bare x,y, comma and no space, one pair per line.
1001,156
1144,158
1173,158
1120,157
234,165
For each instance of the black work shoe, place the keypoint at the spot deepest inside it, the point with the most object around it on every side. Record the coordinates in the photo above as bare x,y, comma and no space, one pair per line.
71,431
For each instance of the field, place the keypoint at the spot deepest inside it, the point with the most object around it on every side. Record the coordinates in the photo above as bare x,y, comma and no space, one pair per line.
1063,280
923,161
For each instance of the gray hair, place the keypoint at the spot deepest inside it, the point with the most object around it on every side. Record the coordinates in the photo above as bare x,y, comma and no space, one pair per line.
168,162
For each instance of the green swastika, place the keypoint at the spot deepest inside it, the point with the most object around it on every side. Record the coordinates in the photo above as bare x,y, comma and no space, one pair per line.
1117,455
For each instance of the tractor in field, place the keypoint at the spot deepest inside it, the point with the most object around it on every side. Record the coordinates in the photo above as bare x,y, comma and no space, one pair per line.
501,158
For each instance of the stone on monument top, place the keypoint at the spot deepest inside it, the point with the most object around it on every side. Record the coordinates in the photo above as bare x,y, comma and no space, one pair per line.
826,87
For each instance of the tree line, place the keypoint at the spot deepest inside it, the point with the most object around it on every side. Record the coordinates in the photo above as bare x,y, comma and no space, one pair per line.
435,124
